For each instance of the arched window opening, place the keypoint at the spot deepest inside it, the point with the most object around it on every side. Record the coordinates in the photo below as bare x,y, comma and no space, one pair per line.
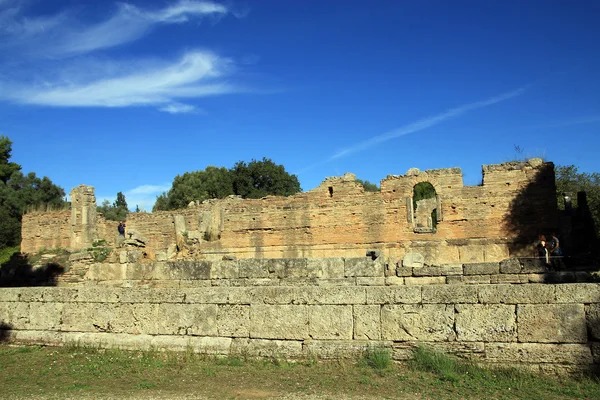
425,203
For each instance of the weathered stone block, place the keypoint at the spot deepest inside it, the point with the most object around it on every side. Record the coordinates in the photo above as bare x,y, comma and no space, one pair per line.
367,322
454,280
81,256
57,294
338,349
538,353
428,322
404,271
509,278
476,279
97,294
362,267
495,252
325,268
592,316
371,281
45,316
450,294
517,294
510,266
330,322
10,294
487,268
293,268
187,269
107,272
486,322
596,352
275,295
289,322
331,295
427,271
413,259
14,315
578,293
451,269
533,265
205,345
271,349
471,254
191,283
152,294
552,323
336,282
536,278
394,281
425,280
187,319
233,320
404,351
393,295
224,270
136,271
218,295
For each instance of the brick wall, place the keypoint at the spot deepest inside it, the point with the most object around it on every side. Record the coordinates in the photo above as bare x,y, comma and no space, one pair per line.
500,218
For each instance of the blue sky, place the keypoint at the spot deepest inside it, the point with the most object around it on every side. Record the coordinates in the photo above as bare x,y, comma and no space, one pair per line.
124,96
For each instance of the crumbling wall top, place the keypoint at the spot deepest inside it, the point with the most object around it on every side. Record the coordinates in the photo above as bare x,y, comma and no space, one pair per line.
515,165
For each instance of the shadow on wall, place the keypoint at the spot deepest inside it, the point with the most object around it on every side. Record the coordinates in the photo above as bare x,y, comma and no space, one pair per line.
5,332
533,212
19,272
579,229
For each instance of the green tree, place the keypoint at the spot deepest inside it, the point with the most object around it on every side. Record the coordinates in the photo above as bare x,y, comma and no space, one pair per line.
19,193
6,168
569,180
117,211
250,180
261,178
368,186
211,183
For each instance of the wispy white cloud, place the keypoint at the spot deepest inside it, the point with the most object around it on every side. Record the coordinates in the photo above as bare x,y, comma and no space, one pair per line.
570,122
428,122
149,189
179,108
144,196
196,74
63,35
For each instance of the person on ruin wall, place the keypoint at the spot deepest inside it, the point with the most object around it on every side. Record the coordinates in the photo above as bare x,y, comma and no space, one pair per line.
121,228
542,250
555,251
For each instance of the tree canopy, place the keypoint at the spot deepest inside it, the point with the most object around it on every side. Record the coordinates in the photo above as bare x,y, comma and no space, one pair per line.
251,180
19,192
368,186
117,211
262,178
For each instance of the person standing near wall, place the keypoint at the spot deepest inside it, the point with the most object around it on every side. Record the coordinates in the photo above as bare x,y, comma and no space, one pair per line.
543,250
555,251
121,228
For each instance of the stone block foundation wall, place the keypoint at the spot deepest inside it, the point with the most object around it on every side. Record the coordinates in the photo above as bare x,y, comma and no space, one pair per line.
553,328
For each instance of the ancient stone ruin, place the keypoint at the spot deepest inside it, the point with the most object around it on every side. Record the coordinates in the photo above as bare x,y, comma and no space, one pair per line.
325,273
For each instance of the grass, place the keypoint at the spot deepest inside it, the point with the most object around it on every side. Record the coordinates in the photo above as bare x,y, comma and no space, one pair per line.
7,252
377,358
86,373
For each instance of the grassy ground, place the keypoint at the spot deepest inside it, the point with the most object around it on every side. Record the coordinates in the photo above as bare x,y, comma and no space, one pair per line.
75,372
